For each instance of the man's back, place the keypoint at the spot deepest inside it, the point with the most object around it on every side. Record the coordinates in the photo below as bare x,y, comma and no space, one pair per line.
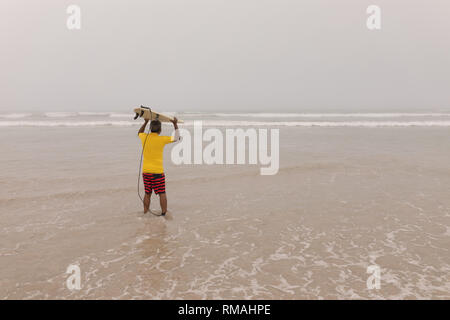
153,151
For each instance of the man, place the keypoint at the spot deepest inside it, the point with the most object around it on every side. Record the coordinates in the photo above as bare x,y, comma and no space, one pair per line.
152,168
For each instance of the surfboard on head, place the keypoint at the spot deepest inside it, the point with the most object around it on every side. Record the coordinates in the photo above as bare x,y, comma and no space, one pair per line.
148,114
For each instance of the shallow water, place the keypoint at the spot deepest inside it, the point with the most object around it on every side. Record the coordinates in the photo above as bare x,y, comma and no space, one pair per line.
344,199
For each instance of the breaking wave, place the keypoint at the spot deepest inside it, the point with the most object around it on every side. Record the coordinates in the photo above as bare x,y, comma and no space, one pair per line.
121,115
15,115
211,123
330,115
66,123
60,114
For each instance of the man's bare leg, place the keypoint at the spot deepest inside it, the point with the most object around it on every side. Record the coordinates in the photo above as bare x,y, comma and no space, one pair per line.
163,202
147,202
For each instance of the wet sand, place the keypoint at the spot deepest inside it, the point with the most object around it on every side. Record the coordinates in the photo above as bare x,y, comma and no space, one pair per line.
344,199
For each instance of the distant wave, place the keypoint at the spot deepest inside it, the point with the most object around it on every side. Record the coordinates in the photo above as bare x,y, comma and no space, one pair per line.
87,114
66,123
107,114
122,115
60,114
15,115
209,123
191,115
330,115
370,124
93,113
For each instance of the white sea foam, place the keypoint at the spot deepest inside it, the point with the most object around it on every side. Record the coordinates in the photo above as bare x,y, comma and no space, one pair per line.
121,115
93,113
370,124
330,115
15,115
66,123
210,123
60,114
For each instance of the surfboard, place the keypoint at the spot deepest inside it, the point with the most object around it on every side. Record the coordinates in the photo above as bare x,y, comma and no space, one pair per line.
146,113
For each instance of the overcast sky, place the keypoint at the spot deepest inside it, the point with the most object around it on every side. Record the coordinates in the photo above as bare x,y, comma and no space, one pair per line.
228,55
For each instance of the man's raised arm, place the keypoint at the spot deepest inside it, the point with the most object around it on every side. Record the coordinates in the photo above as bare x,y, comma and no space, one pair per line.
142,129
175,126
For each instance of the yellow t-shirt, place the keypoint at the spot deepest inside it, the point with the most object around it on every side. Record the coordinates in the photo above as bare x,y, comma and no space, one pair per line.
153,152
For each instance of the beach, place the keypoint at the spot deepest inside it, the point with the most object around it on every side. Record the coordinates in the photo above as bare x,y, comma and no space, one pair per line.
345,197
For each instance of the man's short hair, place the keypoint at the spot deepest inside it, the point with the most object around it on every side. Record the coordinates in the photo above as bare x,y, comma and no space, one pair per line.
155,126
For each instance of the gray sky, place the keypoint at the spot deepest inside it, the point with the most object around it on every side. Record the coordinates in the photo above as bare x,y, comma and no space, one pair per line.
228,55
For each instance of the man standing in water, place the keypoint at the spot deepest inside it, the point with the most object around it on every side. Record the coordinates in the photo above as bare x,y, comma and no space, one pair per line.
152,168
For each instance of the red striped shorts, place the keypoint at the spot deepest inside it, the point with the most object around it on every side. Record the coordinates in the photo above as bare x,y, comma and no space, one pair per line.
154,181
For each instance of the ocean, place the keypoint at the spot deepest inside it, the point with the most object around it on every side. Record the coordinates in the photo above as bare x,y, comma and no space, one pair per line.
353,190
93,119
